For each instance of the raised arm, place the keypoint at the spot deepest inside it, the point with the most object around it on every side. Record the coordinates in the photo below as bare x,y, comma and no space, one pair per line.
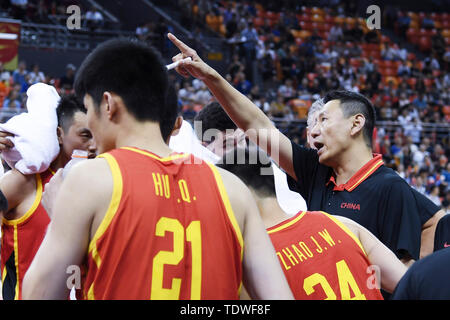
262,273
241,110
391,268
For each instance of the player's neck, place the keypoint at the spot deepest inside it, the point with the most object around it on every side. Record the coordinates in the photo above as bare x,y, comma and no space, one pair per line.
271,212
60,161
350,162
143,135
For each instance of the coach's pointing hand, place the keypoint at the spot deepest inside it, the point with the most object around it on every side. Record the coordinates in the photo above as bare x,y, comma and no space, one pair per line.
195,67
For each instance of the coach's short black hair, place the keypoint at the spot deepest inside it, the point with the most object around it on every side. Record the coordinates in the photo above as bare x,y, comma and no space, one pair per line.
129,68
353,103
3,202
253,167
213,116
171,111
67,107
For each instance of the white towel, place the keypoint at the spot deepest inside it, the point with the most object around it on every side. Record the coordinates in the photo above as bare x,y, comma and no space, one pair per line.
291,202
187,141
35,139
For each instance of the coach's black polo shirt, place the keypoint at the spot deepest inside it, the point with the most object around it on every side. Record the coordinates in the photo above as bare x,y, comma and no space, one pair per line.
376,197
426,279
442,234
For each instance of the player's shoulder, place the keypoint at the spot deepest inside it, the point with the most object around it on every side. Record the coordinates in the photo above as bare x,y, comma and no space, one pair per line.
236,190
91,174
17,177
233,185
16,184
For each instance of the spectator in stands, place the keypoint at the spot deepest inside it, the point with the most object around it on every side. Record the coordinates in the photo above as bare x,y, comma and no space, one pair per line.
413,128
186,93
278,107
287,89
403,69
403,101
19,74
403,24
438,43
14,101
4,91
434,195
202,96
5,75
249,36
94,19
235,66
368,65
66,81
336,33
36,75
389,52
419,155
242,83
427,23
143,31
420,102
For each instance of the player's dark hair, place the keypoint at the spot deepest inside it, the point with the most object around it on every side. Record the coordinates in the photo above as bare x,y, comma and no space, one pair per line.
67,107
353,103
3,202
248,165
171,111
213,116
132,70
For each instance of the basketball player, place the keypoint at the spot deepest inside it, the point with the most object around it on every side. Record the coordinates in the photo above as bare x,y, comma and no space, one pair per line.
140,217
25,220
322,256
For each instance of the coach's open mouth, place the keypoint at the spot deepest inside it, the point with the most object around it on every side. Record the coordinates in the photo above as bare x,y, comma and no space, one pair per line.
318,145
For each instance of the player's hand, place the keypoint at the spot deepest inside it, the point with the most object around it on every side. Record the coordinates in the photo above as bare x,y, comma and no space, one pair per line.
5,143
51,190
195,67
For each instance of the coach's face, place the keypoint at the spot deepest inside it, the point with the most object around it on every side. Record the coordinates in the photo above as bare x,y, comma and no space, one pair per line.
330,133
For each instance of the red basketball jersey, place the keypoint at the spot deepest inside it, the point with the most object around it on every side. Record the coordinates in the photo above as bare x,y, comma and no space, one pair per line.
169,232
21,239
323,259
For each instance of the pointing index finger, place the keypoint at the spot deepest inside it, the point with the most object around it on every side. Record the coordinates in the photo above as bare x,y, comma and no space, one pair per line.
179,44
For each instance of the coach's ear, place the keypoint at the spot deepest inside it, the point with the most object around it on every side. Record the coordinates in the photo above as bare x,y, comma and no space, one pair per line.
177,126
358,124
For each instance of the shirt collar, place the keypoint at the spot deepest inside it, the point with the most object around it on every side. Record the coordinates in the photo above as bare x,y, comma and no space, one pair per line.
370,167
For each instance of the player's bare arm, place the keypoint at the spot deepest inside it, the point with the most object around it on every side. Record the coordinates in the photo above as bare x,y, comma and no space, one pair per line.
392,269
77,212
428,232
241,110
19,190
263,276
